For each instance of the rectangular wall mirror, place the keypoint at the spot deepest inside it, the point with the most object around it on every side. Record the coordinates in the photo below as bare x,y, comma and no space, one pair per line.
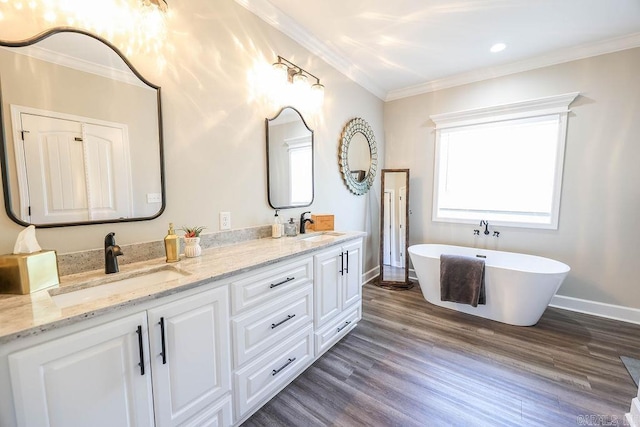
394,229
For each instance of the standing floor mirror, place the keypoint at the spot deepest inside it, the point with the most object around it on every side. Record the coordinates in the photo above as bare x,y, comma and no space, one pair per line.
394,229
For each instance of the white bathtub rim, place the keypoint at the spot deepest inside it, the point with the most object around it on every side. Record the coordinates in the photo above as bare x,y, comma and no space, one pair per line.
562,267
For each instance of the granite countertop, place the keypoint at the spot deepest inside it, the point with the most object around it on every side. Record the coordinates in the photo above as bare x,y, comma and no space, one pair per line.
26,315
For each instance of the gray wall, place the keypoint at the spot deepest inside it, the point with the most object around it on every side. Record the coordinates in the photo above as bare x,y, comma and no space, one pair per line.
214,130
598,231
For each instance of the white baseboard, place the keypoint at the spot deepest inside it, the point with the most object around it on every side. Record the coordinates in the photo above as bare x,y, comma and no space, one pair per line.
412,275
610,311
368,276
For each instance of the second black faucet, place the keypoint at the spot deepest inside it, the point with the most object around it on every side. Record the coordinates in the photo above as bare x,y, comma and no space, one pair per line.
303,222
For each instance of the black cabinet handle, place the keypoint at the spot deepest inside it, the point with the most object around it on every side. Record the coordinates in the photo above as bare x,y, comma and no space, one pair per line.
347,257
289,317
141,364
288,279
344,326
163,353
342,263
289,362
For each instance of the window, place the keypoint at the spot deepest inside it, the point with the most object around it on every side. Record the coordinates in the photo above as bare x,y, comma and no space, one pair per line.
502,164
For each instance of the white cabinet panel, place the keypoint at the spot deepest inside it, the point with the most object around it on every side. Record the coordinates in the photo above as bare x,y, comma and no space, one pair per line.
263,377
271,282
352,290
337,281
333,332
90,378
260,329
193,371
328,271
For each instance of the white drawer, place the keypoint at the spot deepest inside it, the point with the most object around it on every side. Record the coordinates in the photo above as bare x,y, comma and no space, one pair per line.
258,330
263,378
217,415
332,333
270,282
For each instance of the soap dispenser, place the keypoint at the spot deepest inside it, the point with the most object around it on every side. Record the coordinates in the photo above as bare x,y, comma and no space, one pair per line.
276,228
290,228
172,245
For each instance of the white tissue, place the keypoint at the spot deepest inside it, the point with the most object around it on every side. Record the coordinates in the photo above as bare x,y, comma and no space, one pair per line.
26,242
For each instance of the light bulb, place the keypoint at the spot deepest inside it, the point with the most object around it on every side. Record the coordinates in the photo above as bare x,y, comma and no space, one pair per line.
317,94
300,81
281,72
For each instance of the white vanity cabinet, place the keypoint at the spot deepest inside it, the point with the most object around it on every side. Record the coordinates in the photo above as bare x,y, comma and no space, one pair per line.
189,342
89,378
337,293
209,355
272,330
95,377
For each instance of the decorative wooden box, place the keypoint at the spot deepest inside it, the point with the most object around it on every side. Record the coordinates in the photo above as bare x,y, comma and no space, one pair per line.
321,222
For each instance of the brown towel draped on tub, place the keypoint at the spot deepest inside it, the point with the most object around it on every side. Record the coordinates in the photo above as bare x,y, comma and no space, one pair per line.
462,279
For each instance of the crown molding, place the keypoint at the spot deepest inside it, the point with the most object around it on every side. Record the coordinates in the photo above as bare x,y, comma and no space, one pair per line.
282,22
553,58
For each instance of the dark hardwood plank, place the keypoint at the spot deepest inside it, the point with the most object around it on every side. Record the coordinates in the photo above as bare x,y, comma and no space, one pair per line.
410,363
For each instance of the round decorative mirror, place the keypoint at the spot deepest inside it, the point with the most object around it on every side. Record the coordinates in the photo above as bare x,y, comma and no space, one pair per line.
358,156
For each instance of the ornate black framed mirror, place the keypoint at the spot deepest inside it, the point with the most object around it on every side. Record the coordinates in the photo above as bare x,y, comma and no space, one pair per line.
394,229
289,160
81,133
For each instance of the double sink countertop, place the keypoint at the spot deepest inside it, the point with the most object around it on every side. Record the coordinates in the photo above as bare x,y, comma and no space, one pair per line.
81,296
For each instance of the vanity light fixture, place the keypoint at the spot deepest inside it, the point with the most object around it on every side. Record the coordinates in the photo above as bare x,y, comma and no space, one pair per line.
161,4
287,71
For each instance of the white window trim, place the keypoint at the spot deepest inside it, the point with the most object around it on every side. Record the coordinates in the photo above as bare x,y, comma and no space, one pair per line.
558,104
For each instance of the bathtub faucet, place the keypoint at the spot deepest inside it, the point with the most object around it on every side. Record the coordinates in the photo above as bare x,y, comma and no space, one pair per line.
486,226
476,232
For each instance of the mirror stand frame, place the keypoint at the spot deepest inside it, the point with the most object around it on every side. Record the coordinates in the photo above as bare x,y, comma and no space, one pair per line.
390,284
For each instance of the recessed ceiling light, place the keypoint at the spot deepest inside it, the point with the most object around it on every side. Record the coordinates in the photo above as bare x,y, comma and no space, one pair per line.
498,47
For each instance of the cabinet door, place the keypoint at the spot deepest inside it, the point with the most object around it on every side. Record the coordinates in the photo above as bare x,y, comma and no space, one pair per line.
327,285
194,370
352,289
90,378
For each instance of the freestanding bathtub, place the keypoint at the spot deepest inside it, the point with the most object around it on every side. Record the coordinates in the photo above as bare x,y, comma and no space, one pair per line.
518,287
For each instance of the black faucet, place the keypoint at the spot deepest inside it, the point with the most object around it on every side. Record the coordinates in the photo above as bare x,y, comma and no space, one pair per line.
303,222
111,252
486,226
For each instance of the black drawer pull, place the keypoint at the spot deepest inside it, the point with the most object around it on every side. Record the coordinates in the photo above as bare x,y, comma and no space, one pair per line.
164,346
141,364
289,362
342,263
344,326
289,317
288,279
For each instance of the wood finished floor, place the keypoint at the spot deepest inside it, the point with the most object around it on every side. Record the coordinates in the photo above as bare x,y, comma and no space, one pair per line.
410,363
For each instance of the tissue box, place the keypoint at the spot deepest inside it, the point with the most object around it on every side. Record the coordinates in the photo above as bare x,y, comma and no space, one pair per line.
321,223
26,273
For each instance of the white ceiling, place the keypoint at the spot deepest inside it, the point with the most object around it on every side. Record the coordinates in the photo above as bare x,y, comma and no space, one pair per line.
404,47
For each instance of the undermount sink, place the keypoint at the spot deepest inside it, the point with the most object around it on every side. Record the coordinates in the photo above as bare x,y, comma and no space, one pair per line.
323,237
99,289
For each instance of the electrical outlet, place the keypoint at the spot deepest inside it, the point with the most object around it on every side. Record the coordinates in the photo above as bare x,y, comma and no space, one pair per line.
154,198
225,220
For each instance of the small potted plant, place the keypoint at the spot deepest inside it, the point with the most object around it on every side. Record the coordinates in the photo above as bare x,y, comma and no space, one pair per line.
192,241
